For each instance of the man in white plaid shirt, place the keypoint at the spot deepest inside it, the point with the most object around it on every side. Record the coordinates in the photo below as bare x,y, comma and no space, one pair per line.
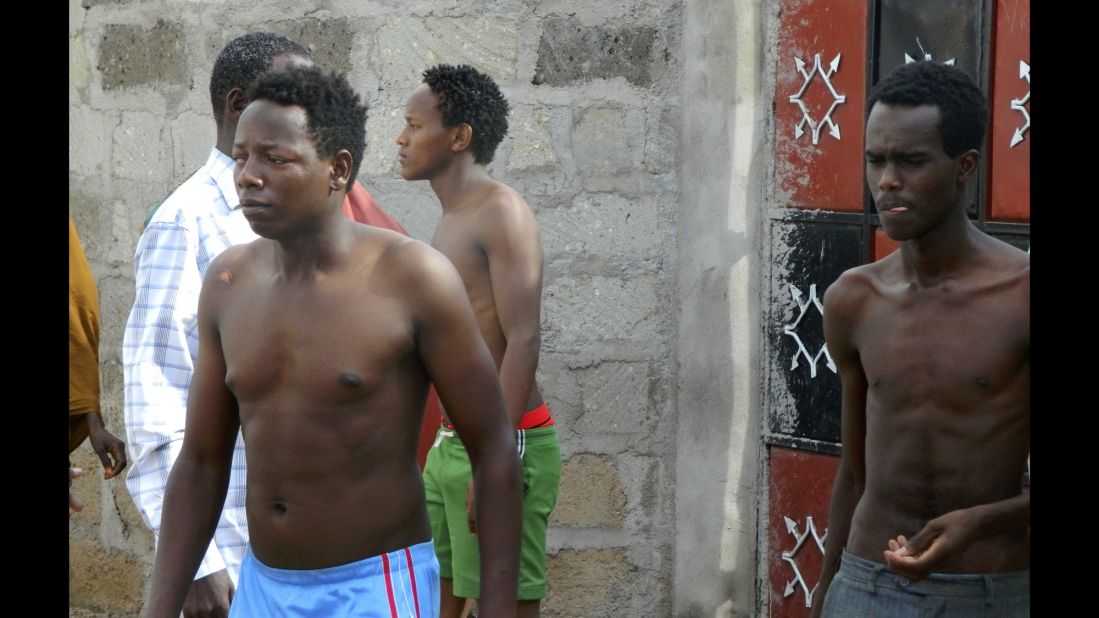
197,222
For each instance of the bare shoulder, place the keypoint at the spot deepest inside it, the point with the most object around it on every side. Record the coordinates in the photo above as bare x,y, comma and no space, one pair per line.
415,269
502,204
230,265
856,286
376,240
226,273
498,195
1008,261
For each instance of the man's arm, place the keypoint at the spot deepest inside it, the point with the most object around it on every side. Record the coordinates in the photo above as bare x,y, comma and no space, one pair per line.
946,535
75,504
158,367
458,362
84,358
840,314
106,446
199,478
509,237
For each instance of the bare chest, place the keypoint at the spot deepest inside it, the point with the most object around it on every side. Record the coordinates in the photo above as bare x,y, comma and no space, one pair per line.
456,237
326,344
949,348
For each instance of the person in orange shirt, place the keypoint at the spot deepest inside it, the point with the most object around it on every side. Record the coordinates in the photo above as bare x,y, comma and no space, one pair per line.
84,416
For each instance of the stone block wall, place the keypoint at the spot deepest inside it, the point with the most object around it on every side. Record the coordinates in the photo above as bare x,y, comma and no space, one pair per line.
593,147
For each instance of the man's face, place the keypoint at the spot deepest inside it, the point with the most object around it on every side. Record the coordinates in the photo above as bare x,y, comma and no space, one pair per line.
424,142
282,183
915,184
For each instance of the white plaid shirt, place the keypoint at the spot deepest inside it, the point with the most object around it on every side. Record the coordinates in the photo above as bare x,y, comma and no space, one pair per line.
197,222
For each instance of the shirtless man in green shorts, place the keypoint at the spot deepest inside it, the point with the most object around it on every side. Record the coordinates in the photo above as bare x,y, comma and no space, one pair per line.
932,343
454,121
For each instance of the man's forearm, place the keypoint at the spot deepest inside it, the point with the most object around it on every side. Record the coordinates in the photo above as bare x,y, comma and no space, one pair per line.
95,422
517,370
845,496
498,489
192,505
1003,516
149,491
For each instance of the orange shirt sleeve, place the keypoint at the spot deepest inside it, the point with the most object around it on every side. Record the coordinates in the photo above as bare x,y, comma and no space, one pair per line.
83,331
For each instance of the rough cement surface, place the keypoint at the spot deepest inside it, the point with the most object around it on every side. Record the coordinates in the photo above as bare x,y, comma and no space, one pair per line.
618,398
532,144
133,56
329,41
570,52
590,494
601,142
605,225
138,146
602,583
726,104
406,46
619,310
119,589
593,147
76,612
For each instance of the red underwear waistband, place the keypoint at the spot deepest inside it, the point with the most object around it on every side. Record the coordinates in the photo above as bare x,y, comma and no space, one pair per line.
534,419
537,418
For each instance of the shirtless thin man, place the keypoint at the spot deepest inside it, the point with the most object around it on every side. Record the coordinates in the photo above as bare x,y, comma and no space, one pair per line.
454,121
932,344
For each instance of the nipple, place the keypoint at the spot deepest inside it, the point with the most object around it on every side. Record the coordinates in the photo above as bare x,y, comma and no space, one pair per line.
350,379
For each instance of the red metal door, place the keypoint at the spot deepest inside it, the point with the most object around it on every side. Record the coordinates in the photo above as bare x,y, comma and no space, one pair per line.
830,53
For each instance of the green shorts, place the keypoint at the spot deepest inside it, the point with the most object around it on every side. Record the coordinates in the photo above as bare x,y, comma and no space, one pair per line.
446,477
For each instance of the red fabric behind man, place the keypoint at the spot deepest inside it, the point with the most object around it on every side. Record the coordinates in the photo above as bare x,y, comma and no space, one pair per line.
360,206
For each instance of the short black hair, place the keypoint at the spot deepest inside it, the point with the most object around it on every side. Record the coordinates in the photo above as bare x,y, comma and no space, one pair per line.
469,96
961,103
334,115
243,60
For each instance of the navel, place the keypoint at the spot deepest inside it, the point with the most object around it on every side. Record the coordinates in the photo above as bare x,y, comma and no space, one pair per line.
279,507
983,382
350,380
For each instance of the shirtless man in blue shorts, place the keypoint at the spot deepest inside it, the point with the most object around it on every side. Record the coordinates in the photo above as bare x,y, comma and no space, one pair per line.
330,414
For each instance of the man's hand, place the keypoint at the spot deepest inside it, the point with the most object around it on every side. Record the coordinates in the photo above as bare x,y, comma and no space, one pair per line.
940,539
209,597
106,446
75,505
471,508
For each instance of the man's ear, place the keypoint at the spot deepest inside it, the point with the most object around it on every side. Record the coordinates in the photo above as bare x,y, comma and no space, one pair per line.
235,102
461,138
340,176
968,162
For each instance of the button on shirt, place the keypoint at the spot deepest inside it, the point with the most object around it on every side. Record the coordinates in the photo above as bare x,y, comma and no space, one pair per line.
193,226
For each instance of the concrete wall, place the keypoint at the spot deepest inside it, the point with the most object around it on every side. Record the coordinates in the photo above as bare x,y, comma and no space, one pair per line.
603,103
723,168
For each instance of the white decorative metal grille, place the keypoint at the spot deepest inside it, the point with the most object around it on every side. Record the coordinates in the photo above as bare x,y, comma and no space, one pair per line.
814,126
790,556
926,56
791,329
1019,105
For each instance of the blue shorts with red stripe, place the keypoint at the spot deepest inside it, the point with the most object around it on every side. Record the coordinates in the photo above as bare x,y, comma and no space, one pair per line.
399,584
